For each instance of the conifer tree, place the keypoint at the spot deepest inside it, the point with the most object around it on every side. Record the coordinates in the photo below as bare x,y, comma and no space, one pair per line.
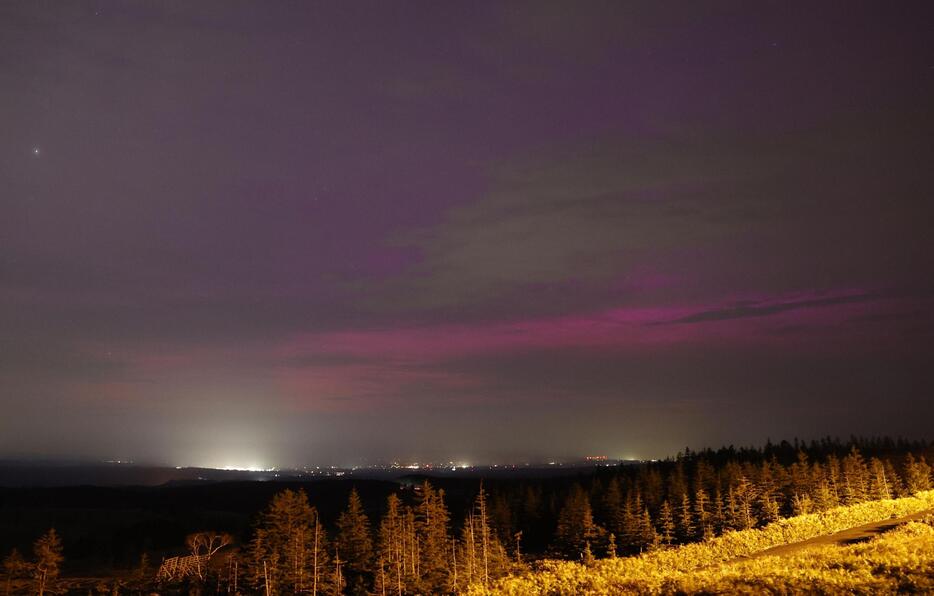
896,486
917,475
833,475
677,482
356,545
801,504
531,511
630,524
666,523
768,508
14,567
686,529
587,557
718,513
289,550
648,538
390,578
501,517
740,502
480,556
879,485
611,506
48,553
800,473
824,497
575,525
705,524
855,478
432,540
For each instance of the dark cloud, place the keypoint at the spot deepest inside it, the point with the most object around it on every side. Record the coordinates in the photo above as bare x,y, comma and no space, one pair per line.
764,310
749,211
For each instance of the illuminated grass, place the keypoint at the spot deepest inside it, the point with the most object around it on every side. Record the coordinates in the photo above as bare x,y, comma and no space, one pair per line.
697,567
897,562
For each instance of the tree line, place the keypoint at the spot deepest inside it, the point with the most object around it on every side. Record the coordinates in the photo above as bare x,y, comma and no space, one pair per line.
413,548
412,544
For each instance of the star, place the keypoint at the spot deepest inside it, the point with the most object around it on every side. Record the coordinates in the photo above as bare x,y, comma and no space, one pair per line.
36,151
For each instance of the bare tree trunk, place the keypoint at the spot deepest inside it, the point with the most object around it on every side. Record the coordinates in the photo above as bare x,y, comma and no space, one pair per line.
471,549
485,535
401,547
454,559
301,561
265,578
382,576
314,589
398,547
337,569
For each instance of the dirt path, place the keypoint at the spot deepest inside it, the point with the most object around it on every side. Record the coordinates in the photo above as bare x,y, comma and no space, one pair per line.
842,538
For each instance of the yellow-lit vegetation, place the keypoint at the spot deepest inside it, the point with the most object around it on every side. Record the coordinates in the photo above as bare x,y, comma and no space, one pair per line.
905,555
898,562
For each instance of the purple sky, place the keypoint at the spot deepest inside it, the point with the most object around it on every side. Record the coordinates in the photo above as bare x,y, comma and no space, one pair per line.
238,234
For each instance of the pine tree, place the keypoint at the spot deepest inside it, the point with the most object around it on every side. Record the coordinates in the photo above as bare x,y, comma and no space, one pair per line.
648,539
356,545
768,508
289,550
501,517
432,540
832,471
531,512
629,526
666,523
719,516
48,553
855,478
587,557
705,525
480,556
575,525
611,506
14,567
896,486
390,578
801,475
685,520
824,497
917,475
740,502
879,487
801,504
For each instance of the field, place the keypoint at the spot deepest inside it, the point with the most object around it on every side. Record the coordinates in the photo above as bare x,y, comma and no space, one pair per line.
899,560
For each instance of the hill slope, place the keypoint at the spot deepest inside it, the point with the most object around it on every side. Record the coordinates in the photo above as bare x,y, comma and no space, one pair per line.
885,564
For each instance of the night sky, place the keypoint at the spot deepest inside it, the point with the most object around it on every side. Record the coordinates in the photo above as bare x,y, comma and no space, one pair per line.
278,233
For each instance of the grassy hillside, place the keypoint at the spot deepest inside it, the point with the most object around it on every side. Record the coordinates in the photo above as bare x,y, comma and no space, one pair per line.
900,558
898,562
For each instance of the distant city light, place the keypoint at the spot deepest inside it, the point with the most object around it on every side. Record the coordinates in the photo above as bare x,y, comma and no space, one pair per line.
247,468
